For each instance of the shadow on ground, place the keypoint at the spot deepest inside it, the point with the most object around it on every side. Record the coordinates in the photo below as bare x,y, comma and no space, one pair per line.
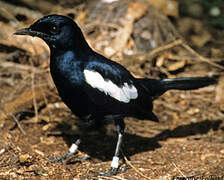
102,146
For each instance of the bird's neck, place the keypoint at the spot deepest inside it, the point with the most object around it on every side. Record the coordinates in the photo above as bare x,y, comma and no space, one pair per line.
61,66
78,48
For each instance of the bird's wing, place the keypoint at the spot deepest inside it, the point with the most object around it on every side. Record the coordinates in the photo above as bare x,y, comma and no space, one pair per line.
109,82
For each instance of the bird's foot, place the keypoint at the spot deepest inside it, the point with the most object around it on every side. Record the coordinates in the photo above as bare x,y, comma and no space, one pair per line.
113,171
62,159
65,158
82,158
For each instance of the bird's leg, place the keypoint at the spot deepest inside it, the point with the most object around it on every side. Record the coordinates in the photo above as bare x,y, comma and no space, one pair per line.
115,161
72,150
74,147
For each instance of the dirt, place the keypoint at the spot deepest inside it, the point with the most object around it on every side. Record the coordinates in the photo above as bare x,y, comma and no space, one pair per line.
34,124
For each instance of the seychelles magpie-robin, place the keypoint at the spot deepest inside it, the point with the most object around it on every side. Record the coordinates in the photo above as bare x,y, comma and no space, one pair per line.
96,88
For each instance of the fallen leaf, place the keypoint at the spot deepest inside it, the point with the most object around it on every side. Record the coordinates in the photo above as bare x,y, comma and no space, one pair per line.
159,61
177,65
23,158
205,156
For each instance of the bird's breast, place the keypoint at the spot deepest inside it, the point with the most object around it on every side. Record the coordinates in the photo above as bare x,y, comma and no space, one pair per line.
69,83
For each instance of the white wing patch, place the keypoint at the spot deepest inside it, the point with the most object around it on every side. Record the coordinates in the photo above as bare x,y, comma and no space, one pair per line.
123,94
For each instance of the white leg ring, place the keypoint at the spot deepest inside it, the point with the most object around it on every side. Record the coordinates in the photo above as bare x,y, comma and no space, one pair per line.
115,162
73,148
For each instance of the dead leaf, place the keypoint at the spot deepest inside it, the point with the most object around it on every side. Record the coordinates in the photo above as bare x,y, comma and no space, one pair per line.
159,61
193,111
23,158
177,65
206,156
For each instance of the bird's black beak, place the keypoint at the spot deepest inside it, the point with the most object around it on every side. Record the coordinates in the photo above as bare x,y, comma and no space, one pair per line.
27,31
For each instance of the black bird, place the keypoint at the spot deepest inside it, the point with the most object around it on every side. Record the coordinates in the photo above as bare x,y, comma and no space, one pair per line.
96,88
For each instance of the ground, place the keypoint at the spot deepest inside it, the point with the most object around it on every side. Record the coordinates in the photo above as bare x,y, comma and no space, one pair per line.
34,123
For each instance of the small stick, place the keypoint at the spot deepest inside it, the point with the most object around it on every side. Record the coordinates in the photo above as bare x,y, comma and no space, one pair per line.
18,124
136,170
204,59
105,177
182,174
165,47
180,42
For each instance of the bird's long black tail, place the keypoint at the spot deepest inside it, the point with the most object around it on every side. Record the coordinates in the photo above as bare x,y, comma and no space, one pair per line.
158,87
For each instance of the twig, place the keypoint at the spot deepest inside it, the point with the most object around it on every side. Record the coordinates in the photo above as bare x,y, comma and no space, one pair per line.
204,59
46,103
165,47
105,177
182,174
181,58
18,124
180,42
136,170
118,177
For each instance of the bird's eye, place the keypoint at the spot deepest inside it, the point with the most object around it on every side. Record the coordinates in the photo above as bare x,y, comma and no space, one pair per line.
54,30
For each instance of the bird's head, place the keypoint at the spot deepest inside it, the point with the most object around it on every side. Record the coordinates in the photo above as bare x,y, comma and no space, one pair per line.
57,31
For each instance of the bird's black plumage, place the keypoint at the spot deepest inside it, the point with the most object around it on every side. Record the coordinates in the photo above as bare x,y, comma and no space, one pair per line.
94,87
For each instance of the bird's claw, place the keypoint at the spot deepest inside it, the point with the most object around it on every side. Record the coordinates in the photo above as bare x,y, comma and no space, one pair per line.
57,159
62,159
82,158
65,158
112,171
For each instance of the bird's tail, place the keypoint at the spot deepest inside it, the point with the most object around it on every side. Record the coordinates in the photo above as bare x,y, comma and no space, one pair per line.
158,87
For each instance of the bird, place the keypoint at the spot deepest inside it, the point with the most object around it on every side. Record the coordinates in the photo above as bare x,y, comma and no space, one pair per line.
96,88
